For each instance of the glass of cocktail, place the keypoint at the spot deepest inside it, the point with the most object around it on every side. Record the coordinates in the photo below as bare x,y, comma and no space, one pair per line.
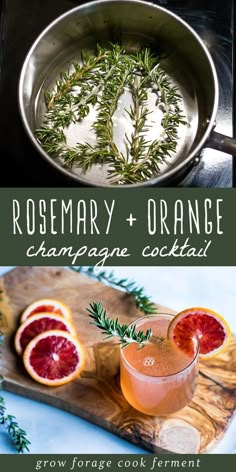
159,378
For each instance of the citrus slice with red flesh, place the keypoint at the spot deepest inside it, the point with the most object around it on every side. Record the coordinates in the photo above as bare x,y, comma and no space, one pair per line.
210,328
47,305
54,358
37,324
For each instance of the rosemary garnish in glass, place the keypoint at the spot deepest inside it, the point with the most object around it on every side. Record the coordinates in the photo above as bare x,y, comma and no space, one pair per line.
97,84
126,333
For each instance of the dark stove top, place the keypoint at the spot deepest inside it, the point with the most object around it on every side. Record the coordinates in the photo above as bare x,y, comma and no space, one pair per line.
21,23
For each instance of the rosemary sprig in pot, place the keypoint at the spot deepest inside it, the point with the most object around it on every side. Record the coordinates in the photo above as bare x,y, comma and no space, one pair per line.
126,333
99,82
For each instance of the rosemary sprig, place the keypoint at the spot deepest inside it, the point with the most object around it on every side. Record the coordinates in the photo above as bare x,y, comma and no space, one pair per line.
54,142
142,301
122,172
68,81
138,114
106,147
17,435
167,142
126,334
99,81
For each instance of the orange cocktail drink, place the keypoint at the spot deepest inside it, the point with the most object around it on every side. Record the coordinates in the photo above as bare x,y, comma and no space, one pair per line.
159,378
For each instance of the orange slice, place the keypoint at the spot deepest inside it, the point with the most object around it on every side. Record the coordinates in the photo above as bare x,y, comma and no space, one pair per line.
48,305
54,358
37,324
210,328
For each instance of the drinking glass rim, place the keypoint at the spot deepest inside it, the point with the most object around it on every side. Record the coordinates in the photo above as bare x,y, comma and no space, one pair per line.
157,378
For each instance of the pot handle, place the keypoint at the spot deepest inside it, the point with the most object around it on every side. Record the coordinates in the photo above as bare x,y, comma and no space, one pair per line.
222,143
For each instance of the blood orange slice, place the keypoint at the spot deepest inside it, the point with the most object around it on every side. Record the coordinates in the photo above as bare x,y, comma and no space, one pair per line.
54,358
37,324
48,305
211,330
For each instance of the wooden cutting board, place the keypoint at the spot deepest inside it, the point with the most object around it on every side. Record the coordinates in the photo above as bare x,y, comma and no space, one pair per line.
96,396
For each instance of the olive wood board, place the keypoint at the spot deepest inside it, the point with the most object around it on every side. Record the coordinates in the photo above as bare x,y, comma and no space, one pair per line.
96,395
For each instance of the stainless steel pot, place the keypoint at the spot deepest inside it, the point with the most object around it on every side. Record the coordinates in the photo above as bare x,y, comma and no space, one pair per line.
134,23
